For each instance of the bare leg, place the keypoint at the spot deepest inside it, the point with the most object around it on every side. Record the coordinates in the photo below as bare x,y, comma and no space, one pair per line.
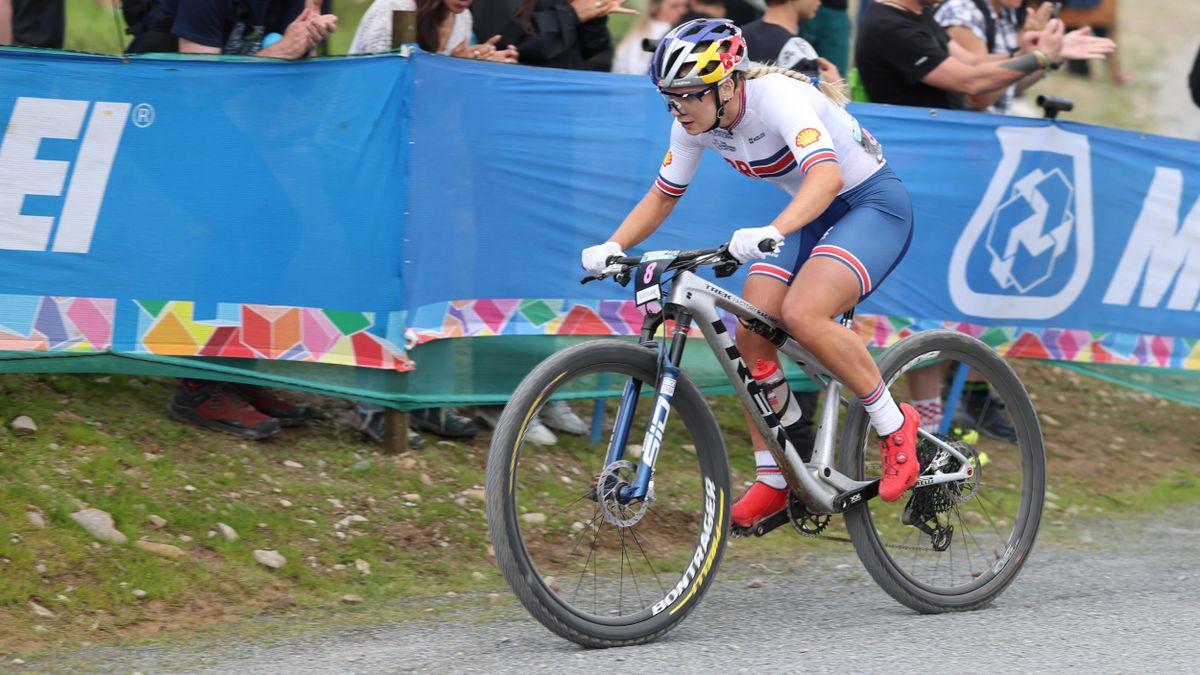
823,289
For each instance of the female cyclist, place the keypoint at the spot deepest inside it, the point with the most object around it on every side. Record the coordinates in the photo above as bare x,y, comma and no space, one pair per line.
849,222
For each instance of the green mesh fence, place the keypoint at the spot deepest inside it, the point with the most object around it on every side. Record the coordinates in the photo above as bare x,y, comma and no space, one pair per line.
466,371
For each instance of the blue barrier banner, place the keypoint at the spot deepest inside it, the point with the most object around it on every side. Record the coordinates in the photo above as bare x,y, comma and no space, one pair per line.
1050,240
314,211
250,209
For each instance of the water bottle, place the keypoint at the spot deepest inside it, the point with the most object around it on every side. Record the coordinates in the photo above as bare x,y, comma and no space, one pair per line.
785,404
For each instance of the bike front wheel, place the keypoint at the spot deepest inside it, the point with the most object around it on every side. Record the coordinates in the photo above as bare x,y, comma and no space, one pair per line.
594,568
952,546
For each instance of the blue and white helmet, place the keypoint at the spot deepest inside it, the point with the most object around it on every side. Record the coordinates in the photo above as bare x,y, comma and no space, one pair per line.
701,51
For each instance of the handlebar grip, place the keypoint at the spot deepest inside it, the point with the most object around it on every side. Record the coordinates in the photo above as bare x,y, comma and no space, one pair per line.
766,245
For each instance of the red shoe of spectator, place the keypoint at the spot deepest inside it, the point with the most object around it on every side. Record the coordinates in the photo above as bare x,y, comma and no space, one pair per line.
266,402
898,451
214,405
760,501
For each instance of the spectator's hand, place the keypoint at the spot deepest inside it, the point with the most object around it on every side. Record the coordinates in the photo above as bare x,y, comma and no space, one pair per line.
1049,40
508,55
1038,18
482,52
1081,44
827,71
595,258
298,39
587,10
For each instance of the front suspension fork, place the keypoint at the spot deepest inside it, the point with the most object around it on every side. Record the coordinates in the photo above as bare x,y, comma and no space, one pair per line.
664,392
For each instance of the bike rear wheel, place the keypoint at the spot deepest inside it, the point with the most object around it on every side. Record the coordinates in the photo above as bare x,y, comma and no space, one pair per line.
952,546
593,570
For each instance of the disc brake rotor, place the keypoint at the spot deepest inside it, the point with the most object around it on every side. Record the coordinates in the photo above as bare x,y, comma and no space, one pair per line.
612,480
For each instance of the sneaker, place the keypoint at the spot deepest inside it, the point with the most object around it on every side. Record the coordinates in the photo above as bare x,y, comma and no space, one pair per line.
216,406
266,402
760,501
986,412
445,422
371,423
898,452
536,433
558,416
489,415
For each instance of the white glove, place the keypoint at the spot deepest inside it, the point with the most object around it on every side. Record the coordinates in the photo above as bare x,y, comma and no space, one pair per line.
594,258
743,245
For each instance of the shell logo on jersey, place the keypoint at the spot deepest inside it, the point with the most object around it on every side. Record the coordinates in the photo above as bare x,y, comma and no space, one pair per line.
807,137
667,159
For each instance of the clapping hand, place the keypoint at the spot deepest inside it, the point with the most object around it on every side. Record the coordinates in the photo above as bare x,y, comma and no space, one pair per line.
587,10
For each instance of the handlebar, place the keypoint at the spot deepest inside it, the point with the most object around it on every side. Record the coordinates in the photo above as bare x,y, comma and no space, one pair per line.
622,265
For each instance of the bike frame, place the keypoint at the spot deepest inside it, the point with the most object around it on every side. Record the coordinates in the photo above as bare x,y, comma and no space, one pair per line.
821,488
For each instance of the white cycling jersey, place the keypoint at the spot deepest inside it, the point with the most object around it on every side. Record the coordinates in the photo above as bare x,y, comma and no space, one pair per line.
785,128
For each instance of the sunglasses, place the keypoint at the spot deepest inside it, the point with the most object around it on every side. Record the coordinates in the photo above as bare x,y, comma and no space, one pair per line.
676,102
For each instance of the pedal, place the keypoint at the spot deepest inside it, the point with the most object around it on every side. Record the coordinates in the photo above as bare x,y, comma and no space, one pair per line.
763,526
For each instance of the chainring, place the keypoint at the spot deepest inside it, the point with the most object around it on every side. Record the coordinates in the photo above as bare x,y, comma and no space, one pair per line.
807,524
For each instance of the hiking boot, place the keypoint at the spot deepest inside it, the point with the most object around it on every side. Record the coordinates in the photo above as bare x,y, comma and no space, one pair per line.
558,416
898,455
760,501
987,413
216,406
266,402
444,422
371,423
536,432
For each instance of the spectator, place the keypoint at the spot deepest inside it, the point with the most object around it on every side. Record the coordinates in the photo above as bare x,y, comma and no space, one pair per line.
738,11
1194,80
660,17
443,27
772,39
1101,16
285,29
905,57
288,29
829,33
553,33
32,23
5,22
992,27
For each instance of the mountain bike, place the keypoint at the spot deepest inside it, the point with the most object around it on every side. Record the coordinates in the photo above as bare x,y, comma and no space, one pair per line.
616,547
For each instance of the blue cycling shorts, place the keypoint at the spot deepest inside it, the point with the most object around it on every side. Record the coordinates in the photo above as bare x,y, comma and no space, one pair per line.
867,228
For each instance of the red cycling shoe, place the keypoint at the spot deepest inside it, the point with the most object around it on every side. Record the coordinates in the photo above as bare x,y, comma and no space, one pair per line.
760,501
898,452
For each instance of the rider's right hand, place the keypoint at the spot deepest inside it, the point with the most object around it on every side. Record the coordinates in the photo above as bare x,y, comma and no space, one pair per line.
595,258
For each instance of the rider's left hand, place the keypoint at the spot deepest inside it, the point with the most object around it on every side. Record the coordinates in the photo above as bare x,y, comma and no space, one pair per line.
743,245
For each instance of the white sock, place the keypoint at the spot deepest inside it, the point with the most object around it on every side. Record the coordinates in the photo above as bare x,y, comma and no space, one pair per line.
885,414
768,471
930,410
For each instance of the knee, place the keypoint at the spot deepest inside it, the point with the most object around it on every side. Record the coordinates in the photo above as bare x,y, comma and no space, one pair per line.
800,320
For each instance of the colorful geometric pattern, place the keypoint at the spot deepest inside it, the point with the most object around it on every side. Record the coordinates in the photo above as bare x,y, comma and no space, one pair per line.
267,332
62,324
474,318
56,324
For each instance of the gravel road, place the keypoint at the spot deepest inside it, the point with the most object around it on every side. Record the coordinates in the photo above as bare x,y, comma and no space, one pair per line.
1106,596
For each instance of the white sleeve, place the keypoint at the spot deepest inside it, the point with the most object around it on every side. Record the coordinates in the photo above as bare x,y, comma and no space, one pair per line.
790,113
374,32
680,163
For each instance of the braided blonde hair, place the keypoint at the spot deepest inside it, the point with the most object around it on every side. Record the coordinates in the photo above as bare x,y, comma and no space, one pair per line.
836,91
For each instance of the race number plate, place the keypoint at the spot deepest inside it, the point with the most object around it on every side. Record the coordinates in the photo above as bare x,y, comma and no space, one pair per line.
649,273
